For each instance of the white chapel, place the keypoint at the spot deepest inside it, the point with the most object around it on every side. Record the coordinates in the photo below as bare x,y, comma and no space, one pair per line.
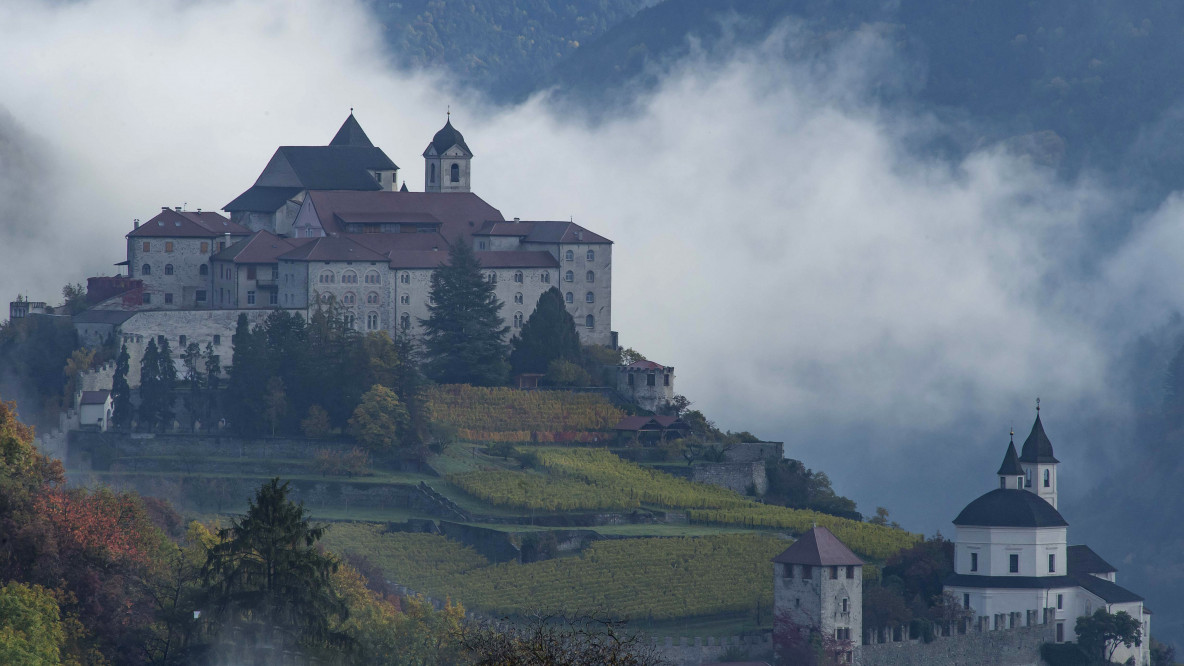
1012,562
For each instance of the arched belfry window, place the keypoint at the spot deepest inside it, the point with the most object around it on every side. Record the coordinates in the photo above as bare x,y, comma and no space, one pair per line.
1047,479
145,270
432,177
589,321
455,173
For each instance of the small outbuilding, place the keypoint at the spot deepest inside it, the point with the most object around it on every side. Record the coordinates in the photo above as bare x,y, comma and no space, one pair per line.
95,409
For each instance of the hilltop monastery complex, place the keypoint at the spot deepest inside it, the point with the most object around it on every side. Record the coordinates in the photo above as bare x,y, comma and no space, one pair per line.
328,224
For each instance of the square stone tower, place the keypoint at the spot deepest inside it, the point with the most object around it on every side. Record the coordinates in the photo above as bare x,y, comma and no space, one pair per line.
818,587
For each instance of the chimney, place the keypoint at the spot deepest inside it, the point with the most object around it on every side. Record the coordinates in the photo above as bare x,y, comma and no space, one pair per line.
164,207
517,220
136,223
178,209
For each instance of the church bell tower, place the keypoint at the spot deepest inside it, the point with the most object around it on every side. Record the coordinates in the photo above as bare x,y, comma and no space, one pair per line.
447,161
1040,466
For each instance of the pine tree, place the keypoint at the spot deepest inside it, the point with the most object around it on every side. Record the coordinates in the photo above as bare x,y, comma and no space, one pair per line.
149,385
121,392
464,332
549,334
266,573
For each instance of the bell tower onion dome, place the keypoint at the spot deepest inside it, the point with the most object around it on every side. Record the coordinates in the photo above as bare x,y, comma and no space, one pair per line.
447,161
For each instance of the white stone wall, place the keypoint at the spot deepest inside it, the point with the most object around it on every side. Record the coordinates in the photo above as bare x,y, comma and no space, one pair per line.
640,392
186,258
995,545
443,164
198,326
352,296
1036,472
818,601
600,287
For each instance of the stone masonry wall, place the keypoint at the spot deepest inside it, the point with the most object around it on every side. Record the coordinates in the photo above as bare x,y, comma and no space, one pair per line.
754,451
684,651
1006,647
740,477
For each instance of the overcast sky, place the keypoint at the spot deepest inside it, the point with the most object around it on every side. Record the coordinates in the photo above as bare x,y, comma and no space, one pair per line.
889,316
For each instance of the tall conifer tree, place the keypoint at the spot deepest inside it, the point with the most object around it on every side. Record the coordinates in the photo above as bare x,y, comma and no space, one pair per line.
464,332
121,392
549,334
149,385
168,384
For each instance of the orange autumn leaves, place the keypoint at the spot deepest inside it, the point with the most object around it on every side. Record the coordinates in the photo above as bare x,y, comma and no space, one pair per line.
100,522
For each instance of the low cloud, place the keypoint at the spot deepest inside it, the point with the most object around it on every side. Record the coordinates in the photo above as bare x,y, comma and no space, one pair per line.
812,278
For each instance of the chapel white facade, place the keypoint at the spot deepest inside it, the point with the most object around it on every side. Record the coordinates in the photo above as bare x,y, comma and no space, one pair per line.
1012,563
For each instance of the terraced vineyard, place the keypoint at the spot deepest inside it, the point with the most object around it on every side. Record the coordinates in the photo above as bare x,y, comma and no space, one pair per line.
595,479
506,410
650,578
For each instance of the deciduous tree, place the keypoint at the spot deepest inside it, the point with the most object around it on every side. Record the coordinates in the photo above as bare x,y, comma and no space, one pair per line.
1100,634
380,420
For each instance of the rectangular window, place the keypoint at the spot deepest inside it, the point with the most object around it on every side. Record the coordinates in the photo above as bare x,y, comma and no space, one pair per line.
1014,562
205,247
787,571
834,573
168,246
147,299
966,601
1052,563
275,298
181,341
147,246
251,275
201,296
974,561
1060,632
650,380
250,298
850,573
666,380
217,339
168,299
1060,602
807,572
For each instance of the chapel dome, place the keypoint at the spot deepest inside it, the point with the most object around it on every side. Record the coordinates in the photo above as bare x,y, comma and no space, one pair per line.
1009,507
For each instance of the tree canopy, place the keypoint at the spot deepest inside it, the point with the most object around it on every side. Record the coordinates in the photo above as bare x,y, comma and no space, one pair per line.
1100,634
549,334
463,334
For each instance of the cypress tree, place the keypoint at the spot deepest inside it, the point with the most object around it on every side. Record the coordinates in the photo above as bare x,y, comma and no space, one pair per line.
168,385
549,334
464,332
121,392
149,385
248,379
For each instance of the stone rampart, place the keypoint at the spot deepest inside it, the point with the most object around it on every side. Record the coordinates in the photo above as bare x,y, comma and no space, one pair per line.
692,651
1004,647
754,452
742,477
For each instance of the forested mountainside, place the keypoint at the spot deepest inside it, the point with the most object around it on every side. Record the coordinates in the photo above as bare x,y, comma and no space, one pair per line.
502,47
1097,73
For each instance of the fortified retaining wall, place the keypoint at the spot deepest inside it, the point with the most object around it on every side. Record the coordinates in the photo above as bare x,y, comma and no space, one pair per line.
685,651
1004,647
742,477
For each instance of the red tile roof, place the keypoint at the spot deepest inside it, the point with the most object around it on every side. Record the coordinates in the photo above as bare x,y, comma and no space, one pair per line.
332,248
459,213
818,547
263,247
645,365
542,231
171,223
429,259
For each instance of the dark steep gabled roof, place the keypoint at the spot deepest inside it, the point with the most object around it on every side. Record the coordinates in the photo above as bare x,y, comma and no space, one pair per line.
1011,463
1010,507
1083,560
1037,448
170,223
542,231
1111,593
263,247
332,248
262,199
447,137
818,547
351,134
